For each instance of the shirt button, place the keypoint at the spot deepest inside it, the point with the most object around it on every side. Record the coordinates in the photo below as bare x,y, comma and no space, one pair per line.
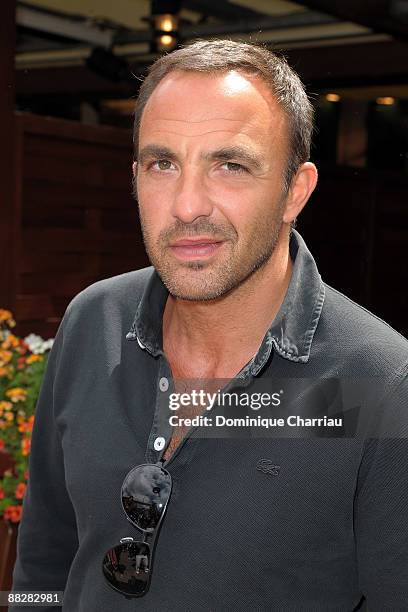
159,443
163,384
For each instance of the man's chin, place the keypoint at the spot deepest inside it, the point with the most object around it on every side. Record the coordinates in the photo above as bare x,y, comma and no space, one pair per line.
196,296
194,283
193,292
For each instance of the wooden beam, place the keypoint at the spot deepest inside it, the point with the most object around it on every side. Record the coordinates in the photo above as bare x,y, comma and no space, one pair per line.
356,63
378,15
7,89
341,65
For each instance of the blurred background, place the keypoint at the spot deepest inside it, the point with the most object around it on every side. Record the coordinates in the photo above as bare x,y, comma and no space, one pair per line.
69,76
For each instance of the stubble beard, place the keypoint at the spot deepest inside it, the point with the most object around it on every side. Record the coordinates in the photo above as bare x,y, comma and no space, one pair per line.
202,280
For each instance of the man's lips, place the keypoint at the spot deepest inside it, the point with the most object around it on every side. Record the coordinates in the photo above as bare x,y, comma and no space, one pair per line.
204,247
195,241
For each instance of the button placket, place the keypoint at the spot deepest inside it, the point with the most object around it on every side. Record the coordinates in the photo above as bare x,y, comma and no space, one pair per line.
161,430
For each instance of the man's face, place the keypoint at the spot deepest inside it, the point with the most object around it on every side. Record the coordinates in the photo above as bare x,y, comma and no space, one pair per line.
209,180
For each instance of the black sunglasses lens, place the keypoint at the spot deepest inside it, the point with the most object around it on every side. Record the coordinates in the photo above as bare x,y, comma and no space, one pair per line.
127,568
145,493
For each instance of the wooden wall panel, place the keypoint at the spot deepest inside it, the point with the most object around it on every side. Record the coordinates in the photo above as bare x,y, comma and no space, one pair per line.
390,284
356,225
77,214
8,204
37,191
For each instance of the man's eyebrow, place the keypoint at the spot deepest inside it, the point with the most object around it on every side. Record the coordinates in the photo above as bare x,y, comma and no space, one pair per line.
155,151
228,153
239,153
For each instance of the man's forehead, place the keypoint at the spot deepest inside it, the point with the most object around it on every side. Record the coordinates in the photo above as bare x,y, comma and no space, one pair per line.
212,108
195,128
198,98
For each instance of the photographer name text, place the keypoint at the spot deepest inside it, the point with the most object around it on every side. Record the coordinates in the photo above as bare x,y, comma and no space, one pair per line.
258,421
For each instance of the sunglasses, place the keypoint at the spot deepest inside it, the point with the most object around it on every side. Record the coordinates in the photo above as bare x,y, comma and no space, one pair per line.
145,494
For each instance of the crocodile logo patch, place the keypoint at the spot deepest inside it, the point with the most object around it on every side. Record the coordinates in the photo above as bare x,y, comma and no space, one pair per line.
268,467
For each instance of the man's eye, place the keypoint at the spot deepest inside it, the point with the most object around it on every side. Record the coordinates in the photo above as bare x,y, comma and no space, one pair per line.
235,168
161,164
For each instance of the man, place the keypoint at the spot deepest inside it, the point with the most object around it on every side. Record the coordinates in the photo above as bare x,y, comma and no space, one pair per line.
283,522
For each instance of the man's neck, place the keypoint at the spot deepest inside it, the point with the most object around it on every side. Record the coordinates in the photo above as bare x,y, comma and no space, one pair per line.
216,338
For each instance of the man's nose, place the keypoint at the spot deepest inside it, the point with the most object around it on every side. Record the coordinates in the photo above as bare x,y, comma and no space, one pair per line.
191,199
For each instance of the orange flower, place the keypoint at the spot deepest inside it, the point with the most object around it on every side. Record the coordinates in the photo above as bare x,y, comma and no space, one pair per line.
7,317
20,490
25,426
4,405
25,446
9,416
10,342
16,394
5,357
4,371
13,513
32,358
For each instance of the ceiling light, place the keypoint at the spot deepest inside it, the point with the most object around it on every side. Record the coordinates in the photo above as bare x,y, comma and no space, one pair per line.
166,23
385,100
332,97
166,41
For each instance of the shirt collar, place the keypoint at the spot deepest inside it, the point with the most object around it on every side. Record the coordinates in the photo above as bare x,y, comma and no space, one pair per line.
291,333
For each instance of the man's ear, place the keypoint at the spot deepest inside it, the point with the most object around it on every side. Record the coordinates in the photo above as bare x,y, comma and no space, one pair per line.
134,180
302,186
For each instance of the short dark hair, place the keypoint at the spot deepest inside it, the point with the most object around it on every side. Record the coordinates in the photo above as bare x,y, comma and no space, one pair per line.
217,55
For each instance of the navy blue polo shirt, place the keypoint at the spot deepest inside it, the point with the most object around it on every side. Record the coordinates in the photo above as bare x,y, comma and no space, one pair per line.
283,522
